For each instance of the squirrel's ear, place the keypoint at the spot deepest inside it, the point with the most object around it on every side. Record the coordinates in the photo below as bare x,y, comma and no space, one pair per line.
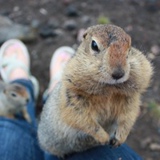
84,34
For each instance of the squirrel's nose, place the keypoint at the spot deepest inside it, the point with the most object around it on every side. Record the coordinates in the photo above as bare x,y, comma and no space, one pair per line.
117,74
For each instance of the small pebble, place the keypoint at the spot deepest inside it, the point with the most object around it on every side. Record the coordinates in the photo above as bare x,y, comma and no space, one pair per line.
129,28
11,30
155,49
43,11
53,23
70,25
35,23
72,11
85,19
155,147
59,32
16,8
152,5
145,142
46,32
151,56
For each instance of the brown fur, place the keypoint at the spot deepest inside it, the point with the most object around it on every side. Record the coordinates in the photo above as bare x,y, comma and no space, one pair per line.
118,52
90,99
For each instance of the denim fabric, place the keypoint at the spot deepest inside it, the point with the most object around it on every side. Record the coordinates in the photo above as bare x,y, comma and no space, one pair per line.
18,140
106,153
123,152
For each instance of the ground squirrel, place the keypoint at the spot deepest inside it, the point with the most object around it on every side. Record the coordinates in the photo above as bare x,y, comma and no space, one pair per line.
98,99
13,100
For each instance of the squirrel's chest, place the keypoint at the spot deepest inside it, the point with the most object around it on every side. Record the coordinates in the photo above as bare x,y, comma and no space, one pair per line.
100,107
107,109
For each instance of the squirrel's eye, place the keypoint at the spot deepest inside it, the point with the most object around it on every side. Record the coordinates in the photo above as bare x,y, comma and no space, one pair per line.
13,95
94,46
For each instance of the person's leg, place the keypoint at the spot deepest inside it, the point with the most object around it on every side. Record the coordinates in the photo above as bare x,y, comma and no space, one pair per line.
123,152
18,138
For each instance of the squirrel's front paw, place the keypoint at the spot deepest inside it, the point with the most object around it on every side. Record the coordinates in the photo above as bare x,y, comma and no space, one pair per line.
114,142
102,138
117,139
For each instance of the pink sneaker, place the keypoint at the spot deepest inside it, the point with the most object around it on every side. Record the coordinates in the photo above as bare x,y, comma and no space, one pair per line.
58,61
15,63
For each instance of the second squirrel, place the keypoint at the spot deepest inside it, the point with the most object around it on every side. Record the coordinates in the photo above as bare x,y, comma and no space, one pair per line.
13,100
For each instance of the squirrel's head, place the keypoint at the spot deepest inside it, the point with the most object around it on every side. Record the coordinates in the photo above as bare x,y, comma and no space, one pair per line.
105,48
16,94
101,59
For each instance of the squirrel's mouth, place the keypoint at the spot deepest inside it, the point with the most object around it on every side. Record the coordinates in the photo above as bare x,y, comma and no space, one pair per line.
117,82
112,81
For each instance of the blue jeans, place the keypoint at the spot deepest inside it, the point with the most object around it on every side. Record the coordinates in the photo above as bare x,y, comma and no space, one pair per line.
18,140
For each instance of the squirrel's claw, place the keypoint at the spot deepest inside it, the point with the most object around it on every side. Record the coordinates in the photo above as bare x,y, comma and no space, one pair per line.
114,142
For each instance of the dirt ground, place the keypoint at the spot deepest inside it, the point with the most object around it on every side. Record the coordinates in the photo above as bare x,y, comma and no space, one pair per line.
140,19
